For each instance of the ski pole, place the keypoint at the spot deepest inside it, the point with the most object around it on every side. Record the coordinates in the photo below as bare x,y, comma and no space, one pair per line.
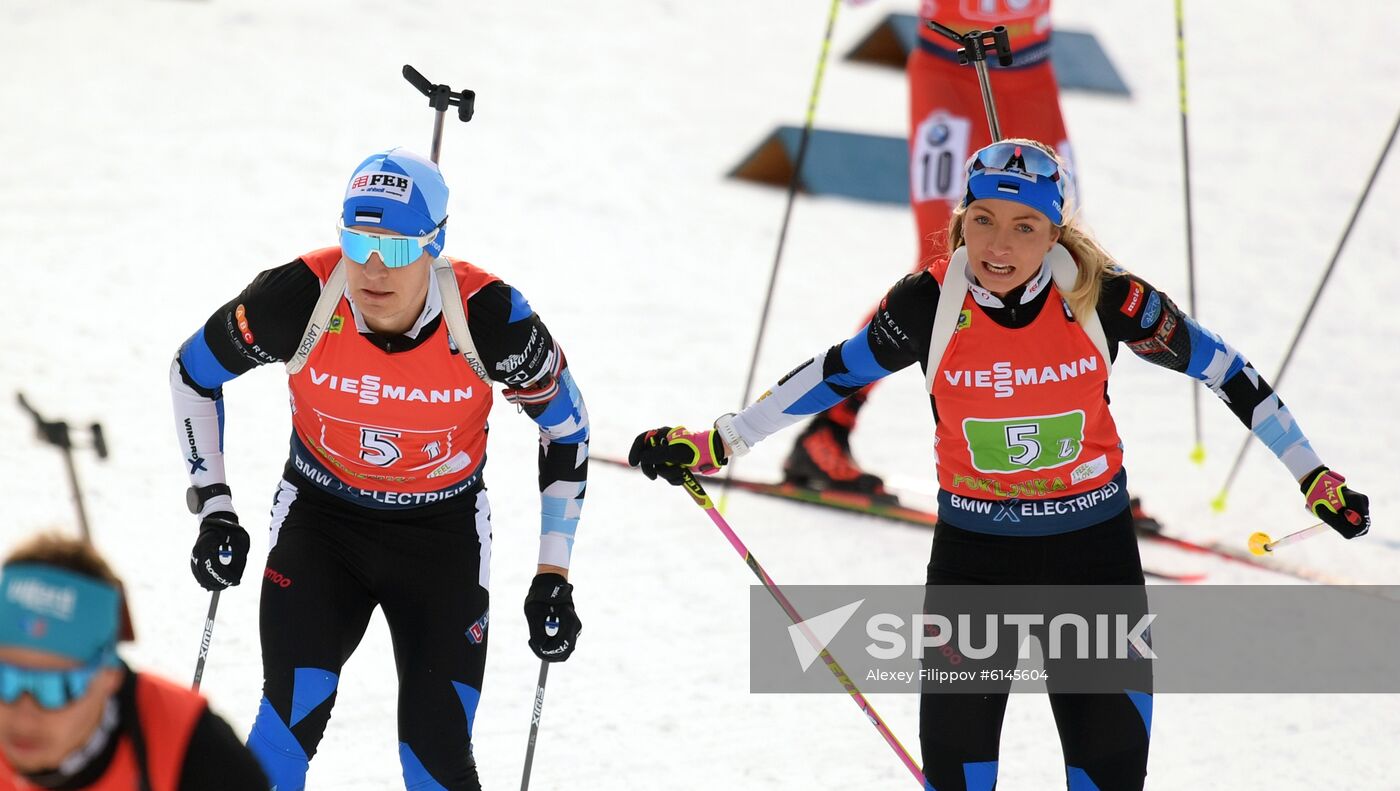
697,493
1198,453
1261,544
204,642
975,45
793,182
1219,502
534,725
440,97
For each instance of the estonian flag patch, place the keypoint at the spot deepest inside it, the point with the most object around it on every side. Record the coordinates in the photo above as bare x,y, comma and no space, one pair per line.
369,214
1009,186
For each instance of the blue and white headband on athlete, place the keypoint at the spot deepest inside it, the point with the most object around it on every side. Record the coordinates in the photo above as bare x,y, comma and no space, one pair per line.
395,251
1020,173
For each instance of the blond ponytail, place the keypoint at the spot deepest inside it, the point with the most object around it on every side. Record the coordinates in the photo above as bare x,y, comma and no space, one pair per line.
1095,266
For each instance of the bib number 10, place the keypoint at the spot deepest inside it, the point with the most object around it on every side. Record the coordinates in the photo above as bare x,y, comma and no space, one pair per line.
939,149
1025,443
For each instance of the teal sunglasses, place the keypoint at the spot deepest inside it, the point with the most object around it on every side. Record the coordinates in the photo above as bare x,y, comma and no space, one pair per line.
394,251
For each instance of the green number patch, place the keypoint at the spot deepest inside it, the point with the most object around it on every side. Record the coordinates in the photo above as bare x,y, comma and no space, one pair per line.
1025,443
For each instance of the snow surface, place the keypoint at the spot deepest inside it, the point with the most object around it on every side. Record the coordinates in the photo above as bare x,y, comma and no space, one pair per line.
160,153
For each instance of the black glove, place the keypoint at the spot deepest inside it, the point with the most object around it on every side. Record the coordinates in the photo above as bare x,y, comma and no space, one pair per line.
220,552
549,612
669,452
1343,509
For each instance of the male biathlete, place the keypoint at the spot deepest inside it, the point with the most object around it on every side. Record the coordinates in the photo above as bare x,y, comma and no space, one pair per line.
382,502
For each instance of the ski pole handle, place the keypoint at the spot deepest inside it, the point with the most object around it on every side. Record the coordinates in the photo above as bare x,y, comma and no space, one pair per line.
1262,544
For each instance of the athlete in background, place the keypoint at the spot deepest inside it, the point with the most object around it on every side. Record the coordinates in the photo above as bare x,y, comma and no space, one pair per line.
73,716
382,503
947,122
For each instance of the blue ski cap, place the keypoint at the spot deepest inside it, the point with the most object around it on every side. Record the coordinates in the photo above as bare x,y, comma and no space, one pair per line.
57,611
399,192
1019,172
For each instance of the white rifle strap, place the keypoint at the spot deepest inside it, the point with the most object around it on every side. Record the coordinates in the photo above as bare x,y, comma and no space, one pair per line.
954,288
326,304
949,310
456,317
1065,272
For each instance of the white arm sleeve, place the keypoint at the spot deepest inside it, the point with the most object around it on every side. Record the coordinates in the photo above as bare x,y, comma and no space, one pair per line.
199,430
798,396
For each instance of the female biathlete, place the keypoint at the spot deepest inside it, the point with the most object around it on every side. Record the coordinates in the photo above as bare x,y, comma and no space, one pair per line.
382,502
945,126
1032,488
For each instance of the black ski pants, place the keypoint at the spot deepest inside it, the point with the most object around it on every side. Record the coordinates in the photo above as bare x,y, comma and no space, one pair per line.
1104,737
331,563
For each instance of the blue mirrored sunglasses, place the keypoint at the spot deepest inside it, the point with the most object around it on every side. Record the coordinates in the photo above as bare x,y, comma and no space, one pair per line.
51,689
1014,157
394,251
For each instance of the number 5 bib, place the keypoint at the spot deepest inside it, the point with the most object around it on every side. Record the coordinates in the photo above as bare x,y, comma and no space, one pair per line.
413,421
1022,413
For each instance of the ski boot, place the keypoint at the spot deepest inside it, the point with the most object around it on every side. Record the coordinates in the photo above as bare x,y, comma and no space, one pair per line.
821,460
1142,523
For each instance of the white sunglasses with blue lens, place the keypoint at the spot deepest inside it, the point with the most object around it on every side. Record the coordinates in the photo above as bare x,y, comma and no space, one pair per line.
395,251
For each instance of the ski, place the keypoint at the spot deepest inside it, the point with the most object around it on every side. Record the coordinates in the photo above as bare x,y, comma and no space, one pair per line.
1169,576
852,502
843,501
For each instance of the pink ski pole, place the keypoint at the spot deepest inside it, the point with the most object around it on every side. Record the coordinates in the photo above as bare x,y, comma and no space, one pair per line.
697,493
